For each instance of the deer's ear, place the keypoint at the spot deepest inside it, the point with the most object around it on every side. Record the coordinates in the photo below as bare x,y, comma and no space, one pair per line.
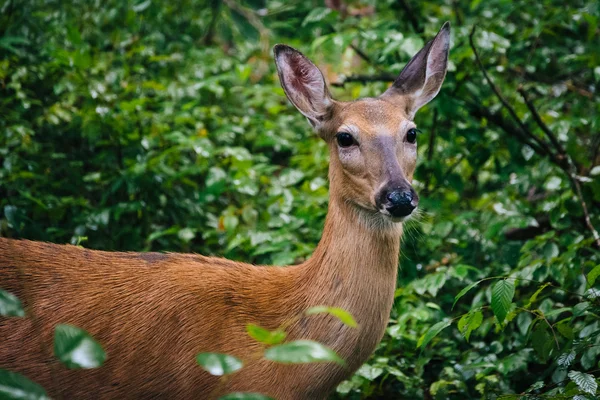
421,79
303,83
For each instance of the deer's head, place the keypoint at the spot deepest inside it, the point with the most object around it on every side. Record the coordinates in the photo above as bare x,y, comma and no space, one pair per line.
372,141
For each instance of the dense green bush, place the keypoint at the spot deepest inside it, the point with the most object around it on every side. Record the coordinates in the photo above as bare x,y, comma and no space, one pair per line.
154,125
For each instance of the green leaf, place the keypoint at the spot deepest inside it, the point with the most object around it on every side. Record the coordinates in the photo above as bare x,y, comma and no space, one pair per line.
219,364
566,330
566,359
340,313
535,295
75,348
15,386
432,332
245,396
369,372
580,308
593,275
464,291
265,336
10,305
585,382
541,341
469,322
502,295
302,351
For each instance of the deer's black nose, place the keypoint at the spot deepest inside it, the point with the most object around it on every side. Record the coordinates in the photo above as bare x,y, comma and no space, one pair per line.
400,203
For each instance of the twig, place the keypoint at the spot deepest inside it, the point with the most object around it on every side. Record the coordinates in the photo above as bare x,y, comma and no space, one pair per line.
562,160
361,54
215,6
566,164
541,123
586,214
410,15
480,111
504,102
384,77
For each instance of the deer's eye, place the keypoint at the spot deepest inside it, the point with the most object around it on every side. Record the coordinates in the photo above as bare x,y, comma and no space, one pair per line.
345,139
411,135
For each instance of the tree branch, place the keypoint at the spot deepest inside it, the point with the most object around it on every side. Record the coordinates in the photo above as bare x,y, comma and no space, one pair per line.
511,110
384,77
410,15
541,123
562,159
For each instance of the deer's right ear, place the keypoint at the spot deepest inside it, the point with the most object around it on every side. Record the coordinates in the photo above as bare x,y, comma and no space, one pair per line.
303,84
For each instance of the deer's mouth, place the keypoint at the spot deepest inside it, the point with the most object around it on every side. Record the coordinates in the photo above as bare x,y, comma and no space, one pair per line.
394,218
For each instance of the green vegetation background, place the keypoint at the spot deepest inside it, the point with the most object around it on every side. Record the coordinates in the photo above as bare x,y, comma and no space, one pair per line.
161,125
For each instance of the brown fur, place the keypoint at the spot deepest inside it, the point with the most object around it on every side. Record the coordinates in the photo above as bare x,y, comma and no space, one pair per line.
153,313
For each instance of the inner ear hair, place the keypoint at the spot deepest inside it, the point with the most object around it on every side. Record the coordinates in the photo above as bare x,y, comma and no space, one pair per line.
303,84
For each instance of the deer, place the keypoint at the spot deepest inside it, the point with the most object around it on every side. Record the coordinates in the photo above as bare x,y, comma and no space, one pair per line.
154,312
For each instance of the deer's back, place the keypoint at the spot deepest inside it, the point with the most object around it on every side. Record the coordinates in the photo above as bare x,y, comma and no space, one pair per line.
152,313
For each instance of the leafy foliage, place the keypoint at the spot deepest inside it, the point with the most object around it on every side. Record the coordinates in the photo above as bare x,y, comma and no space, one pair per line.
244,396
10,305
75,348
219,364
337,312
300,352
15,386
161,126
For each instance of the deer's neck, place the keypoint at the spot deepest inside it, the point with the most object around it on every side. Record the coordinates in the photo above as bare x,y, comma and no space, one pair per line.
353,267
354,255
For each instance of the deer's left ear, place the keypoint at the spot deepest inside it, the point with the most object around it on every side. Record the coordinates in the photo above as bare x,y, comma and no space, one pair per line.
303,84
421,79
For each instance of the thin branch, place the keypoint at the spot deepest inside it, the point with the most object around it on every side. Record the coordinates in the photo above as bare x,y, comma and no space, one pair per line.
566,163
562,159
480,111
410,15
541,123
384,77
361,54
215,6
586,214
504,102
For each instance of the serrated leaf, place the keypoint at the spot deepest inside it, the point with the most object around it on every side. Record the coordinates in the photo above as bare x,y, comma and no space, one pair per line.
264,335
432,332
337,312
585,382
593,275
301,352
219,364
592,293
10,305
579,397
245,396
502,295
566,359
464,291
76,348
15,386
